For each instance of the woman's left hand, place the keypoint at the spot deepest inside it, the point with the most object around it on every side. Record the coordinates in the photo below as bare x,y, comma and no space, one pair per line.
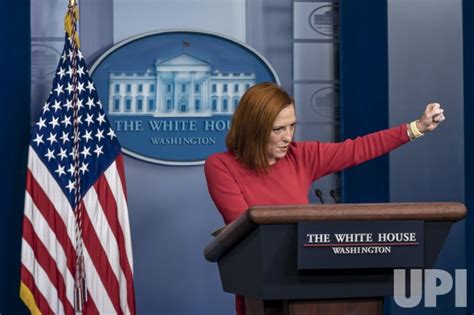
431,118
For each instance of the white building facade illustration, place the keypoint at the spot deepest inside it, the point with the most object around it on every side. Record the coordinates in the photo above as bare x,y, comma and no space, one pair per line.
177,87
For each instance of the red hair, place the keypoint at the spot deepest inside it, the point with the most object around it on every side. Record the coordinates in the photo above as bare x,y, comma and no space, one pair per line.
253,121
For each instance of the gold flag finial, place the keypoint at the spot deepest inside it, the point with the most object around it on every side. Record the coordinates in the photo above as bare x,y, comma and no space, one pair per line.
70,21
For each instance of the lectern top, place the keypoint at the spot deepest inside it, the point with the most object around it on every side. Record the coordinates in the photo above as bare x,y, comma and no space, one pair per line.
259,215
436,211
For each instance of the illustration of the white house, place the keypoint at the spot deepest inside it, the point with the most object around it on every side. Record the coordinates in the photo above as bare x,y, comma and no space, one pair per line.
179,86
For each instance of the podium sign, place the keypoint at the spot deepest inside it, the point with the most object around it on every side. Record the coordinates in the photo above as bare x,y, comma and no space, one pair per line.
360,244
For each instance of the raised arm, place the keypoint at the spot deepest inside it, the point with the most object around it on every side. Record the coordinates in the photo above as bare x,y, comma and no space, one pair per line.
334,157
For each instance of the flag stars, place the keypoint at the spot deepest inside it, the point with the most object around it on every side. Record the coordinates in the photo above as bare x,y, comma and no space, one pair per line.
65,137
66,121
52,138
73,127
101,119
50,154
61,72
46,108
59,89
62,153
85,152
90,103
87,135
70,55
70,71
41,123
99,135
71,186
60,171
90,86
38,139
79,55
89,119
80,71
80,87
79,104
111,134
68,105
54,122
71,169
57,105
98,150
84,168
69,88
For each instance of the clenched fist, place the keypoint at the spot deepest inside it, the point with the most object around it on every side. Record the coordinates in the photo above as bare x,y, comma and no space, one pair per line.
431,118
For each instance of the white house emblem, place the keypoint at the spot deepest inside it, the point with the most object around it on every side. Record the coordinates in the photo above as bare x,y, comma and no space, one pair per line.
170,95
324,20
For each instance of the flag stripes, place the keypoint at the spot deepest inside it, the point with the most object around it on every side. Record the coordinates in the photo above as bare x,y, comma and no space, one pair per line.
45,224
106,200
44,288
100,260
47,263
97,293
76,233
47,211
29,290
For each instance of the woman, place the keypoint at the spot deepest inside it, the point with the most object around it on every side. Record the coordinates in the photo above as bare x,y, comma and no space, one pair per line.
263,166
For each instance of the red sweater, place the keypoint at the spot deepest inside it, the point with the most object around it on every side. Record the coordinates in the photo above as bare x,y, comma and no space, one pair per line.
234,188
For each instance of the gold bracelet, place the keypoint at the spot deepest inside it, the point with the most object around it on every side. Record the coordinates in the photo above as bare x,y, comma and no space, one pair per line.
415,132
410,135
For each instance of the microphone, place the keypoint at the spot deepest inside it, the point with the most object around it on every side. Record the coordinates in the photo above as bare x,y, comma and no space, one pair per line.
319,194
335,195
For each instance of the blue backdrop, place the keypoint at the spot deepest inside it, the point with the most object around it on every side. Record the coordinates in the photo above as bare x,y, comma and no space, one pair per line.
364,93
363,89
468,33
14,130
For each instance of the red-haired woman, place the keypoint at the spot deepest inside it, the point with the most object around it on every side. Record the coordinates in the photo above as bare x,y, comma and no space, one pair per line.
264,166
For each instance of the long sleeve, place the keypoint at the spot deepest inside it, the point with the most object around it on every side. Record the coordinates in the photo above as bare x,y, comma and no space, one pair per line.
224,189
327,158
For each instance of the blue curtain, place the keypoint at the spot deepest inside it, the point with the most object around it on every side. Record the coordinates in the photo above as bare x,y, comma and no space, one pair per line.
14,131
468,41
363,60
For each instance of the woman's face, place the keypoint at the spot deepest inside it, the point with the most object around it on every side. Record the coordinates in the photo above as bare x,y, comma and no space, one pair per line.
282,134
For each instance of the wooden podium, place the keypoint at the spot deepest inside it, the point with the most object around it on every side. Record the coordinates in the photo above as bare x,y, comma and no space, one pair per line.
257,257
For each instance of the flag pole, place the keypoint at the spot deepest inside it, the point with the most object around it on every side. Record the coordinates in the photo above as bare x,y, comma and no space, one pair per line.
80,289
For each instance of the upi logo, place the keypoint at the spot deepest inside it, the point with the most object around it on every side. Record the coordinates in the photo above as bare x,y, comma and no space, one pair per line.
436,282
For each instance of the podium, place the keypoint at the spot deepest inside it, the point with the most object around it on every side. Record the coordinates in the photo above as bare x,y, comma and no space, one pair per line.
258,257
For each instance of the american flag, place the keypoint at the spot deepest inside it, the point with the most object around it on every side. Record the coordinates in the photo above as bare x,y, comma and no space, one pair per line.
62,181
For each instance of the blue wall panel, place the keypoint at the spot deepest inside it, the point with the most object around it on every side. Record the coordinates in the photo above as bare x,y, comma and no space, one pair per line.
14,131
468,33
364,93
